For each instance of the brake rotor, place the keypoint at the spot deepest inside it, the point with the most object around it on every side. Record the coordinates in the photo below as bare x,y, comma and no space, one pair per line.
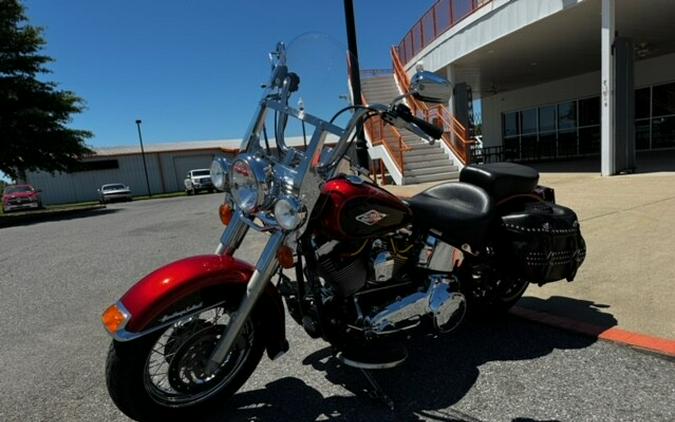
187,370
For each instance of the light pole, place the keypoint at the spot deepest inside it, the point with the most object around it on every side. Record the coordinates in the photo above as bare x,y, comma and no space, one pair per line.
145,166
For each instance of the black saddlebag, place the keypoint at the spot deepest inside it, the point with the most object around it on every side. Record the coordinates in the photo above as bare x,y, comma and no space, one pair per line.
542,242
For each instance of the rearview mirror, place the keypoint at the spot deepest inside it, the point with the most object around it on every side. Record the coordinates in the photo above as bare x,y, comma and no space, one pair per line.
429,87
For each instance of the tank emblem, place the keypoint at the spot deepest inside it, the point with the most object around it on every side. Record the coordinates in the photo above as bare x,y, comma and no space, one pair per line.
370,217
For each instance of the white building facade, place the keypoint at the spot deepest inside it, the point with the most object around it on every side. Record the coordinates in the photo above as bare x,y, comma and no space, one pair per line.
557,78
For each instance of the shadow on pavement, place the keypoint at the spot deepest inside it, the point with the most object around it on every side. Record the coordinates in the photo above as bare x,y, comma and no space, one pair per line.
438,373
28,219
584,311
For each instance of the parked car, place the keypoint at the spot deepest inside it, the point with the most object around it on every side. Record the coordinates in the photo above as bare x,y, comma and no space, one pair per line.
114,192
18,197
198,180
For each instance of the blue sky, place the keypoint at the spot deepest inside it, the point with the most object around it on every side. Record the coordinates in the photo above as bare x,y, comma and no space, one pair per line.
191,69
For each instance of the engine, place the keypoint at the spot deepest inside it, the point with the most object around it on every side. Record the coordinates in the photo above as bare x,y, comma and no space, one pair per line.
387,288
349,267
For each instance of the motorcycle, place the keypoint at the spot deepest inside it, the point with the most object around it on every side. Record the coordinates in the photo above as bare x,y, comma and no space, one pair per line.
353,264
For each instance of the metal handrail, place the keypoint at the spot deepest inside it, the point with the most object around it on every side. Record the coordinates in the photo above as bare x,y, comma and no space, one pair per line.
376,129
440,17
456,136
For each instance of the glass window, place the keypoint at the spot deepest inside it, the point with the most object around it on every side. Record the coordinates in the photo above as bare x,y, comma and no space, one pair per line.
547,145
589,111
511,148
663,132
642,134
547,117
511,124
589,140
567,115
528,147
567,142
663,97
642,103
528,121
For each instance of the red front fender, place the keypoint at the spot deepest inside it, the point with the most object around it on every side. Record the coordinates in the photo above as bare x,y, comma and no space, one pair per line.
157,292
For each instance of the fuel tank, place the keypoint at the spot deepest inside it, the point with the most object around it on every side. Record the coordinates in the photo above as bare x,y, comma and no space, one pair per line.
357,209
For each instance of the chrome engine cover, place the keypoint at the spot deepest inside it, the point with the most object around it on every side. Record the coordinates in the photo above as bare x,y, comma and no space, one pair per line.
442,302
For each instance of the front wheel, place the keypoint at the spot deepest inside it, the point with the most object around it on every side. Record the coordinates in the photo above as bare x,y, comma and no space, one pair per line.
162,375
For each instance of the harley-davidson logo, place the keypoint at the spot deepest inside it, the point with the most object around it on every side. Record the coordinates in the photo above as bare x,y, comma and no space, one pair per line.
370,217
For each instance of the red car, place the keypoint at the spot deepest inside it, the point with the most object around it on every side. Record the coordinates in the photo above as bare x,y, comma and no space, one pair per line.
18,197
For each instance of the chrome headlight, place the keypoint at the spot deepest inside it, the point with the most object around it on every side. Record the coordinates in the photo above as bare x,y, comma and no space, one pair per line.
219,177
248,183
289,212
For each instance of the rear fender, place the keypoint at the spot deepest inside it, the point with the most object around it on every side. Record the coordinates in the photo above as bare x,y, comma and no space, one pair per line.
189,286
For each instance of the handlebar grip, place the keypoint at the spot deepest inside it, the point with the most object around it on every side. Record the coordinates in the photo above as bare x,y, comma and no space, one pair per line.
432,130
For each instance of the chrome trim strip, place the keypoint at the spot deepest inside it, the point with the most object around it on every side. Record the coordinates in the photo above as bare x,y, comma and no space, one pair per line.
123,335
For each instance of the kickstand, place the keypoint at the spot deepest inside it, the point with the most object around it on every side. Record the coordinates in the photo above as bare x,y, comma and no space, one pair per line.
377,392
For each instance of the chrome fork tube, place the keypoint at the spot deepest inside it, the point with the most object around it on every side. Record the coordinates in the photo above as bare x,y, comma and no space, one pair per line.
267,264
233,235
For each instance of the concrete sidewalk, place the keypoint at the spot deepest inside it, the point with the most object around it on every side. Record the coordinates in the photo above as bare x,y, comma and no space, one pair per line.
627,279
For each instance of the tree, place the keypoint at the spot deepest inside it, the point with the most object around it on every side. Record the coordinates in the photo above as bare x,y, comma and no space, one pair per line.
33,114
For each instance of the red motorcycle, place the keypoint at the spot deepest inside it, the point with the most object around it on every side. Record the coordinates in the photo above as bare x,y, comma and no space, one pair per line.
371,270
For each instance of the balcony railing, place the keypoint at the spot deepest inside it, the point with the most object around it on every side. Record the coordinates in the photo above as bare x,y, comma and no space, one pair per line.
443,15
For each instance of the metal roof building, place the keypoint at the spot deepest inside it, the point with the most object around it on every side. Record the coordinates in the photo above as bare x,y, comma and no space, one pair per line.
168,164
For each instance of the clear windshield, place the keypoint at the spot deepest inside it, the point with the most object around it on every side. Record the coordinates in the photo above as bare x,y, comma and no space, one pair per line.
321,63
114,187
322,68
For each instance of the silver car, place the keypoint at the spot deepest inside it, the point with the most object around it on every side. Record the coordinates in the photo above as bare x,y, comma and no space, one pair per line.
114,192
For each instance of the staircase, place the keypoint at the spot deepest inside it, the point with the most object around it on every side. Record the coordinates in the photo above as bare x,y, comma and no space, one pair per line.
420,161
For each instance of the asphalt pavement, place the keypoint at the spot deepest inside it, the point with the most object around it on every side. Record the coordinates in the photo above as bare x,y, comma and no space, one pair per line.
56,277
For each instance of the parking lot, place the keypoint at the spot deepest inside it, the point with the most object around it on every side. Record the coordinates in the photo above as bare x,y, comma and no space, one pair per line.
56,277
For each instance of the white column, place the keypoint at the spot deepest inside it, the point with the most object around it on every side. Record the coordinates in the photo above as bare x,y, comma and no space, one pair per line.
450,75
607,93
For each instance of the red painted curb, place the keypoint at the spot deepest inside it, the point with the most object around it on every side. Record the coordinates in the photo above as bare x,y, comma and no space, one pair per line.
616,335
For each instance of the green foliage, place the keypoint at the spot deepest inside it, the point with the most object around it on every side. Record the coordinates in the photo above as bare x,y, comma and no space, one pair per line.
33,114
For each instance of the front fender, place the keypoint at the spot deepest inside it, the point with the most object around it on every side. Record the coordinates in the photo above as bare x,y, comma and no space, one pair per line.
159,292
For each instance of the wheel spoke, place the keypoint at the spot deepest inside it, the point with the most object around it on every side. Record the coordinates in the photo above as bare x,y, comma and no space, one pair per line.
175,368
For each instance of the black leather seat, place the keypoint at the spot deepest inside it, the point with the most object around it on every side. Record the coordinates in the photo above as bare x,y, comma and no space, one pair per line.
458,212
501,180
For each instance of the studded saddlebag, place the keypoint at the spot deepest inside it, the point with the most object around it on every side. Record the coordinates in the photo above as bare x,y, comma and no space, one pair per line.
542,242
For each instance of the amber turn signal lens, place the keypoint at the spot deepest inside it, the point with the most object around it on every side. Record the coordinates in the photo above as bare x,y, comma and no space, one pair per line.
113,318
225,212
285,257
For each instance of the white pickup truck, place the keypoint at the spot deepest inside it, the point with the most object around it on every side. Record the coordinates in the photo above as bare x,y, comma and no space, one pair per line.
198,180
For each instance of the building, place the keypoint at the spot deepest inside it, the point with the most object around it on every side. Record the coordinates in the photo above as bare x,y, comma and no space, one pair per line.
167,166
555,78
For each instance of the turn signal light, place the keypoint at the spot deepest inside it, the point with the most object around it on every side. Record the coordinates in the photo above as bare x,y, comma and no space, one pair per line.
285,257
225,212
113,318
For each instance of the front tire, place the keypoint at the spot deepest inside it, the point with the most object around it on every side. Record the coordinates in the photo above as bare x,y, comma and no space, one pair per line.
161,376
